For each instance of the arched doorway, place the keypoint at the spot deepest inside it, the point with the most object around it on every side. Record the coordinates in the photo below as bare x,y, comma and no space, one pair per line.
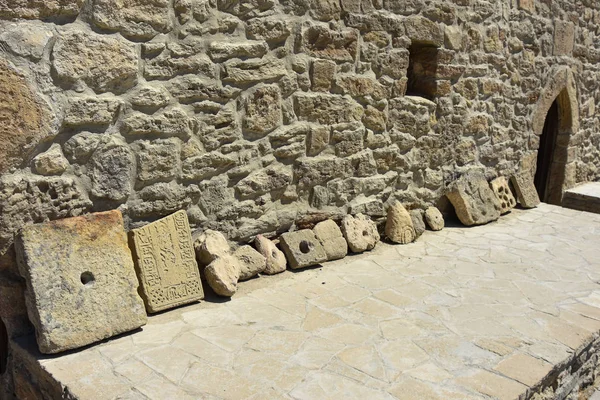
555,121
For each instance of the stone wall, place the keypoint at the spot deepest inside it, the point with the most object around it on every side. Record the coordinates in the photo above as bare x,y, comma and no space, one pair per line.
250,113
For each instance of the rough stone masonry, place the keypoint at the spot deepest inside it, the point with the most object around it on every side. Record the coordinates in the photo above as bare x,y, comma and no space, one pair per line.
248,114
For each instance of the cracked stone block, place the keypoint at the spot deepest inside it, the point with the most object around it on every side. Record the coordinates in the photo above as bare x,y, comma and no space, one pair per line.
360,233
251,261
399,226
51,162
81,283
473,199
134,19
503,192
525,189
276,261
166,263
302,248
418,222
331,238
223,274
434,219
211,245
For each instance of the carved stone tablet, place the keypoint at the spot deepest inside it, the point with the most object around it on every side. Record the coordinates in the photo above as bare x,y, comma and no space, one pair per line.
166,263
81,284
504,194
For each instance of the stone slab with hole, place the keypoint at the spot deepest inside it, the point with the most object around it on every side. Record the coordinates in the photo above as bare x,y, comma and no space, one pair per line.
302,249
81,283
166,263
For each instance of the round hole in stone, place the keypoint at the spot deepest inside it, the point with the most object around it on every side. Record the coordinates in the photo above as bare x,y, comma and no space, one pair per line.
365,233
3,347
305,246
87,278
274,254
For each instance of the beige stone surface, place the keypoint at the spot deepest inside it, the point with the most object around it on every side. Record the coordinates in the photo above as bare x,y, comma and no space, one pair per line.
434,219
275,259
302,248
251,261
360,233
210,245
451,316
504,194
223,275
525,189
473,200
81,284
332,240
399,226
166,264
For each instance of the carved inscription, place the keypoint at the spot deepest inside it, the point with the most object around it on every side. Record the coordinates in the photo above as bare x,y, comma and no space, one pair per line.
166,263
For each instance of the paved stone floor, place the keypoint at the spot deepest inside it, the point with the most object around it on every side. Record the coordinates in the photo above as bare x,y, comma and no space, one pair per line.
465,313
585,197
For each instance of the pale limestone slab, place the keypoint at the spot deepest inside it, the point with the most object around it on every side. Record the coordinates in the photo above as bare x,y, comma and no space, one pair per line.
524,368
504,194
81,284
166,263
492,385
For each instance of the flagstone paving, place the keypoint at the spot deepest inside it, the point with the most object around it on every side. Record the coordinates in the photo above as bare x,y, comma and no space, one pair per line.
465,313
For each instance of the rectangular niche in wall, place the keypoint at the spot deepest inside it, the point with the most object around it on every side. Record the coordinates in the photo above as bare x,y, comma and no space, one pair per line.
422,70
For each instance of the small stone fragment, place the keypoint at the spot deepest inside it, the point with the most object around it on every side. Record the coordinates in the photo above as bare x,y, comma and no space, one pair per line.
81,283
360,233
210,245
504,194
251,261
166,264
399,226
223,274
331,238
276,261
51,162
302,248
417,221
434,219
475,203
526,192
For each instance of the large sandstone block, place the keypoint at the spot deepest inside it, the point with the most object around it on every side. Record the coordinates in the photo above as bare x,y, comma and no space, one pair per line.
251,262
302,249
360,233
399,225
136,19
81,283
473,199
526,191
36,9
275,259
166,263
104,63
331,238
504,194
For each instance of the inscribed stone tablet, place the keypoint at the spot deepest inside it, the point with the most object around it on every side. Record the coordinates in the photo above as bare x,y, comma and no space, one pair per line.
166,263
81,284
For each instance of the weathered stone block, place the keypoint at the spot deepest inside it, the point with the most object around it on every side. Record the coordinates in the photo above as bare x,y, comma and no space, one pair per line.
221,51
26,39
189,89
263,111
322,73
104,63
475,203
211,245
166,264
251,261
162,199
434,219
275,259
271,29
34,9
171,63
91,111
528,5
321,42
361,86
418,223
51,162
223,274
157,159
504,194
25,118
564,38
206,166
137,19
320,170
331,238
360,233
302,249
150,97
111,171
81,283
172,122
327,109
399,226
253,70
264,181
525,189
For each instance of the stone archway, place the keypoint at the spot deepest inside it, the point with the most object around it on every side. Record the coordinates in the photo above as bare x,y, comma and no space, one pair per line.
561,89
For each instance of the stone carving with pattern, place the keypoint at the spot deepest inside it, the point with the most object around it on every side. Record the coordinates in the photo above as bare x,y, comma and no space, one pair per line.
166,263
